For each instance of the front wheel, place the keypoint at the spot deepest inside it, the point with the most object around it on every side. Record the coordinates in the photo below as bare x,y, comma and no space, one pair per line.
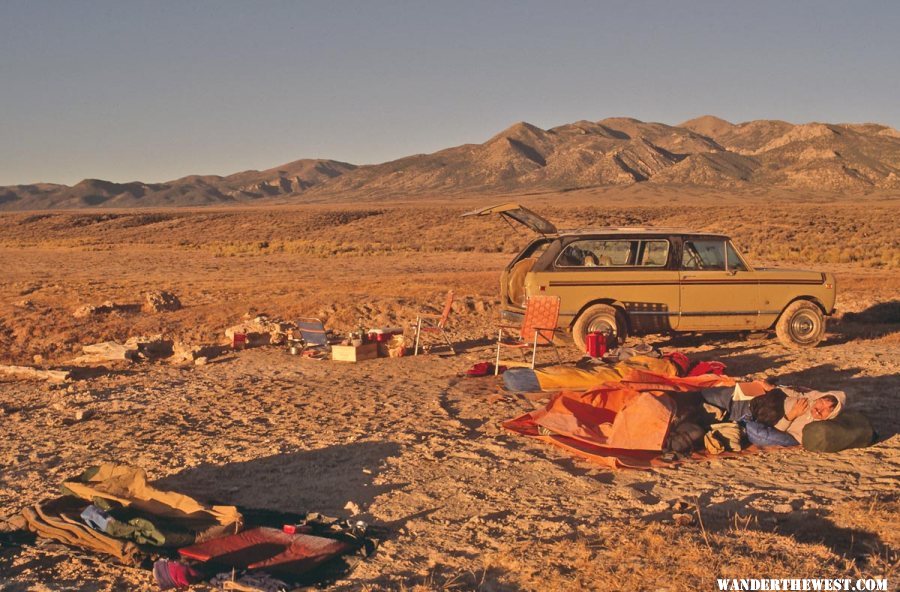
801,324
603,318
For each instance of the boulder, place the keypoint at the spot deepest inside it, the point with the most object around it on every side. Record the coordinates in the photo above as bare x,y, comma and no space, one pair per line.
160,301
183,352
108,351
109,306
151,347
27,372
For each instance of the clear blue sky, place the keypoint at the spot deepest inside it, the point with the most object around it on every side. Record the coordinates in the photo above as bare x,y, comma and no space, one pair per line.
154,90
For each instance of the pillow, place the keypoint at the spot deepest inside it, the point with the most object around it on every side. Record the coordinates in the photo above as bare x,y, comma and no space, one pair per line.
850,429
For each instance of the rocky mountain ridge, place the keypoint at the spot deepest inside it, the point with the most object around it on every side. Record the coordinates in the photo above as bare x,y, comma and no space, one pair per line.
705,152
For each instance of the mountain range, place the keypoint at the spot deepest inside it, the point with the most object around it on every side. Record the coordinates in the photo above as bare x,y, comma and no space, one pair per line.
705,152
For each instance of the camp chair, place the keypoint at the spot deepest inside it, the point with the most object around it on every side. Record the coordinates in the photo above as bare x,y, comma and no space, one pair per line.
312,331
538,328
432,323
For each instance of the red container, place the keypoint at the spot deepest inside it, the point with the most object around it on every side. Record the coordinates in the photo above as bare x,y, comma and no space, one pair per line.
596,344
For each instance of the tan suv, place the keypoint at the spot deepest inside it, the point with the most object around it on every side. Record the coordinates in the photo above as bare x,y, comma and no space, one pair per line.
625,281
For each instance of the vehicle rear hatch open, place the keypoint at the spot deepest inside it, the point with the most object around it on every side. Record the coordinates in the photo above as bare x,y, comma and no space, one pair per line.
520,214
512,279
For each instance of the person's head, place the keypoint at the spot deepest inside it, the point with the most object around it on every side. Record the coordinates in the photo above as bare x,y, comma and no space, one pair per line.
823,407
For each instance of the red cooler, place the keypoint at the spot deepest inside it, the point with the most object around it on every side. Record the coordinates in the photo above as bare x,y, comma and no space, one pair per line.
596,344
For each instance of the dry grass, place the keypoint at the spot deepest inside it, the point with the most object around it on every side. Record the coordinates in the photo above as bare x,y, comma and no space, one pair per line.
322,260
857,540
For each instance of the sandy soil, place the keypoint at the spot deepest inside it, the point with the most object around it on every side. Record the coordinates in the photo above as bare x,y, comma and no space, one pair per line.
418,448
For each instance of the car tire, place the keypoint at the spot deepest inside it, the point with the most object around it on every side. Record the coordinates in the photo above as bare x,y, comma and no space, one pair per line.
801,324
600,317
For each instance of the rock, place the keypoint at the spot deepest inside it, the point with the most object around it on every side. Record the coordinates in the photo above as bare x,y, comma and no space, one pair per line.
108,351
109,306
683,519
151,347
160,301
26,372
352,508
26,304
83,414
261,330
38,359
783,508
201,361
183,352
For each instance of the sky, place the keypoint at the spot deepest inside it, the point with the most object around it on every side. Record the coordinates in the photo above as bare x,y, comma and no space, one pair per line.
157,90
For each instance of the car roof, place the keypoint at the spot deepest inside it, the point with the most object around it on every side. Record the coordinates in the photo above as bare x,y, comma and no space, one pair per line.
638,230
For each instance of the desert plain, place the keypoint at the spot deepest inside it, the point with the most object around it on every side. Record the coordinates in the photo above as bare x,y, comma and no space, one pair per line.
409,444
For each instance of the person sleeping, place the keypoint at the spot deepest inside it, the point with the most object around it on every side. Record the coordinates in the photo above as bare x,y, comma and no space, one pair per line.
776,418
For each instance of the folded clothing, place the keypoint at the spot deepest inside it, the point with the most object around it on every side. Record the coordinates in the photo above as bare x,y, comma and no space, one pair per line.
59,520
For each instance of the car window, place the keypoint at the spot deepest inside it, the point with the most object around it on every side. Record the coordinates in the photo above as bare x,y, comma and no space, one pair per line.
615,253
704,255
734,260
655,253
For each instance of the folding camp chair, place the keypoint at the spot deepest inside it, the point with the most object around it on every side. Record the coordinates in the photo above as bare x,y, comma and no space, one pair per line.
313,332
432,323
538,329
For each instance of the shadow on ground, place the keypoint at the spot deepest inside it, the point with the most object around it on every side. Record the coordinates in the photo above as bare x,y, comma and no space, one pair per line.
322,480
877,321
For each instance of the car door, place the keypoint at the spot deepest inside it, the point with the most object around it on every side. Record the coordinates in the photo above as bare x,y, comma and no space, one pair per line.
718,290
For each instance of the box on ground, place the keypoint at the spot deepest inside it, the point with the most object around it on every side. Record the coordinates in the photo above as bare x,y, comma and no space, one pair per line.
354,353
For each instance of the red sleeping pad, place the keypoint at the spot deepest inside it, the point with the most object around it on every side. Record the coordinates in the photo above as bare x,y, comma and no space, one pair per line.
268,549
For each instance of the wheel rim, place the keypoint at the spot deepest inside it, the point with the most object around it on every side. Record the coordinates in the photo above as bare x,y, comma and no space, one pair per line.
804,325
602,325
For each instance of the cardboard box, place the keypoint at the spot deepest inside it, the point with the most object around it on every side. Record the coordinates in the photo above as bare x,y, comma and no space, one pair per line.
350,353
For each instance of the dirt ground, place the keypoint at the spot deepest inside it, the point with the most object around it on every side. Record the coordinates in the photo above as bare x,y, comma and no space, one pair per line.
418,448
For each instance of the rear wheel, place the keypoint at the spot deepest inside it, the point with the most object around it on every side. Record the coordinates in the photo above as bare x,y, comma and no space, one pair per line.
801,324
603,318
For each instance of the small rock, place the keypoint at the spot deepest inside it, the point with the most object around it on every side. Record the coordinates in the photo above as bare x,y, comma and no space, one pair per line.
83,414
683,519
26,304
201,361
352,508
38,359
160,301
783,508
95,309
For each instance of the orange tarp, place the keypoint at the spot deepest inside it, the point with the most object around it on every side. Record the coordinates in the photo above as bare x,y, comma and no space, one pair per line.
611,416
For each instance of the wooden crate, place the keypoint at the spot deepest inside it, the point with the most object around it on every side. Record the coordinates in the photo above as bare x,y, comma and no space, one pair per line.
350,353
